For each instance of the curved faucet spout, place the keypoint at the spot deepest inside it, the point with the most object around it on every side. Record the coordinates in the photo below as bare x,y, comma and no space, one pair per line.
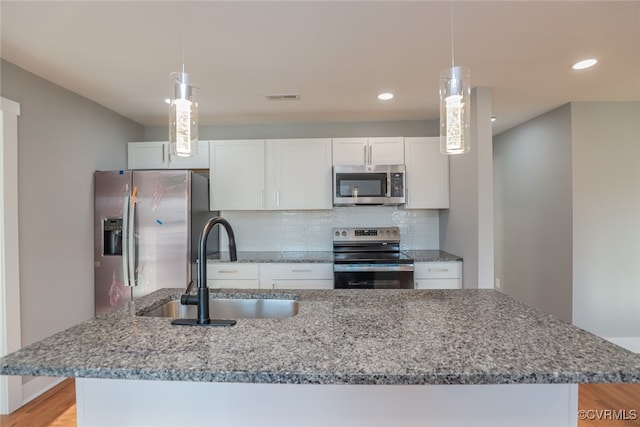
202,299
203,289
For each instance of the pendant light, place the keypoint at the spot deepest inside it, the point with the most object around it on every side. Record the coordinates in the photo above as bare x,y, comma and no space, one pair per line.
455,105
183,116
183,110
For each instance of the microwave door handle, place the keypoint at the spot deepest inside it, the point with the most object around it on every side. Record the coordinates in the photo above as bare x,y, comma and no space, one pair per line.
388,192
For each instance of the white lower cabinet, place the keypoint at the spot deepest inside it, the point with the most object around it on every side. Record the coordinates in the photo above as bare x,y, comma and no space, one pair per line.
233,275
438,275
296,276
238,275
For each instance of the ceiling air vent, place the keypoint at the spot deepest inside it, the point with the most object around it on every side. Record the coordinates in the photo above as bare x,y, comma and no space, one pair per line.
284,97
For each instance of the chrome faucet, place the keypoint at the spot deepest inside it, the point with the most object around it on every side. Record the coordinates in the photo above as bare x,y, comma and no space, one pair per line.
202,298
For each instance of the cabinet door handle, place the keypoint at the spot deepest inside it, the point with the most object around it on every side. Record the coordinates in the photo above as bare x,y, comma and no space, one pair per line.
262,198
227,271
365,153
164,147
301,270
438,269
370,154
277,198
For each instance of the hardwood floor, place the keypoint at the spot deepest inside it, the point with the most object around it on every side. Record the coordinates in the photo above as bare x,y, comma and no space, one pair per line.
606,405
55,408
609,405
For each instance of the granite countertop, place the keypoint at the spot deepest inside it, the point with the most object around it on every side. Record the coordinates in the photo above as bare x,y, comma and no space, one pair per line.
274,256
338,337
432,255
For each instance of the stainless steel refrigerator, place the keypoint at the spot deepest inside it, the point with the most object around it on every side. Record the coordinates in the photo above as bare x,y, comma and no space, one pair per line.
147,225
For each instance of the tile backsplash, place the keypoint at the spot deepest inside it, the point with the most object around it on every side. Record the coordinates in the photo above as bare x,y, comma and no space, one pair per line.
311,230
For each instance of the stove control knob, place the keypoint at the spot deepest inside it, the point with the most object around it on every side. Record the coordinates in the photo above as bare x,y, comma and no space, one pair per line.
395,232
344,233
337,234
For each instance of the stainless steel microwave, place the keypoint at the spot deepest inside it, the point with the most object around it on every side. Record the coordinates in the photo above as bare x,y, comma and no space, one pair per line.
368,185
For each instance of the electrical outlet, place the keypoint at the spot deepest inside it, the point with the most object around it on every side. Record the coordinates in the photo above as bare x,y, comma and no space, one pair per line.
498,284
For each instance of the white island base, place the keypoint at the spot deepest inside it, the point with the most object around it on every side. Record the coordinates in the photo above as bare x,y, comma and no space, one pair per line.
109,402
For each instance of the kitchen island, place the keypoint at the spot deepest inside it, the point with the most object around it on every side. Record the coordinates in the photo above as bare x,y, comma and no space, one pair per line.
349,357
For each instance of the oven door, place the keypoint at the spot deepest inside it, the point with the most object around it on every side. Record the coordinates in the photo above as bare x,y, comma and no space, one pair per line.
373,276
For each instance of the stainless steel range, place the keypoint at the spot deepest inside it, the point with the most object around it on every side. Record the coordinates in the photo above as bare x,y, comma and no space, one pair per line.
370,258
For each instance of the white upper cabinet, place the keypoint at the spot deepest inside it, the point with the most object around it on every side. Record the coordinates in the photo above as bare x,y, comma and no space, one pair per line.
386,151
427,180
236,175
155,155
299,174
368,151
350,151
201,161
274,174
147,155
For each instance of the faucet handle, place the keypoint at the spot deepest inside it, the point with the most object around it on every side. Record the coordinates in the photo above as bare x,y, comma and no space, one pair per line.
185,297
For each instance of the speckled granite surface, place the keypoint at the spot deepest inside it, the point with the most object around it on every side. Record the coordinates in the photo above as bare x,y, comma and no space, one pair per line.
322,256
268,256
338,337
431,255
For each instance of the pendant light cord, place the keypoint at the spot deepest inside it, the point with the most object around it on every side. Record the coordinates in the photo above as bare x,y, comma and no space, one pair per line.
182,6
451,27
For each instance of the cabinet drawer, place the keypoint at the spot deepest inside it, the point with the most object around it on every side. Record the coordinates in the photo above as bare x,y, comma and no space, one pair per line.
303,284
232,271
233,284
437,270
293,271
438,283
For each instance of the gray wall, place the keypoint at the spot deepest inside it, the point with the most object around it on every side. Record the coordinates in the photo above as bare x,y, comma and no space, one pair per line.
307,130
532,188
62,139
567,188
466,229
606,219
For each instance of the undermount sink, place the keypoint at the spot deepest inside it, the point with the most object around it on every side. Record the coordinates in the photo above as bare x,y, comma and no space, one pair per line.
229,308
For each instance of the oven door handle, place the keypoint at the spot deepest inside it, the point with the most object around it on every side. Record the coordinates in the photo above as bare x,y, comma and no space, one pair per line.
355,268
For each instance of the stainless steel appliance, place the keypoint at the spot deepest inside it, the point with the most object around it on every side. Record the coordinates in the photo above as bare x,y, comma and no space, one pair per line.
368,185
370,258
146,232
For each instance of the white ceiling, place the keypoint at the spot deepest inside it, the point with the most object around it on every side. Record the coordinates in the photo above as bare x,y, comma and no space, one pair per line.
337,55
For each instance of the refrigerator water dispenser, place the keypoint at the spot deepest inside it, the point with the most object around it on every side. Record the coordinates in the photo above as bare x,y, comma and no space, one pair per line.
112,240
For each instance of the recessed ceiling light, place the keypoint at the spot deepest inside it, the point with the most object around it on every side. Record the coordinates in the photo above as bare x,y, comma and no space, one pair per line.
385,96
493,119
581,65
167,100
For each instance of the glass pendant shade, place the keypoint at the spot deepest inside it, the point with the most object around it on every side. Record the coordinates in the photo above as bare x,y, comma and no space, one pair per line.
183,116
455,110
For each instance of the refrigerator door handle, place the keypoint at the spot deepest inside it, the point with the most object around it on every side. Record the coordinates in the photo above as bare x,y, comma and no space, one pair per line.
125,241
132,240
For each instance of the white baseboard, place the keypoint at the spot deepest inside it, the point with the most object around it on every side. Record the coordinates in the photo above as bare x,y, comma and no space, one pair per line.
38,385
630,343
